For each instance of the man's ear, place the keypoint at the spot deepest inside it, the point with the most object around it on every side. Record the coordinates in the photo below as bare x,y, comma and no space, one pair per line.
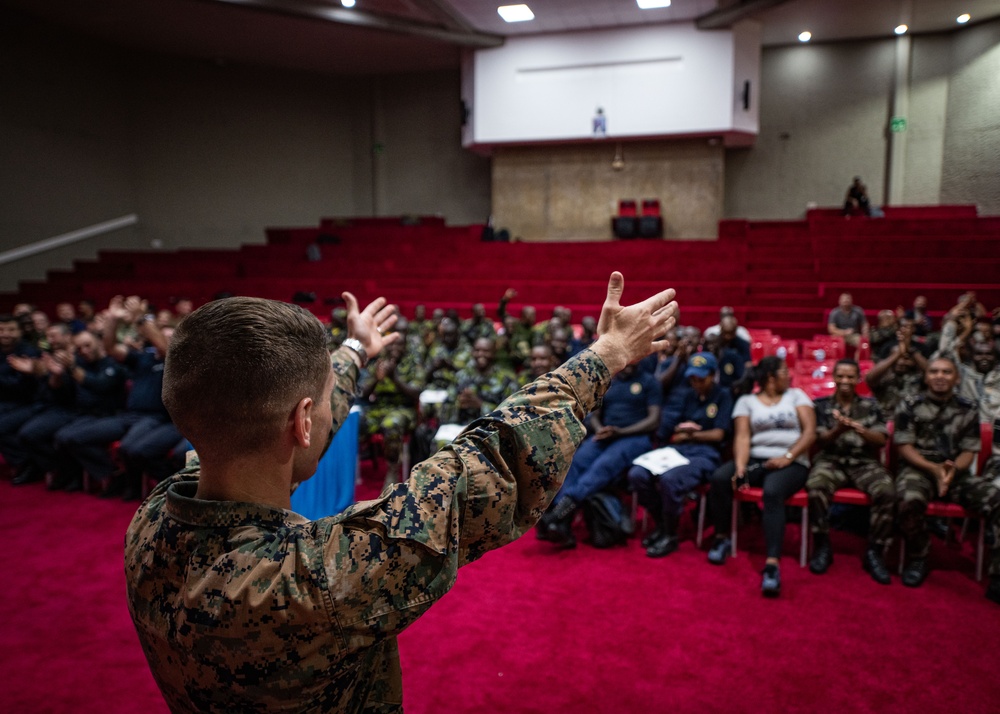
302,422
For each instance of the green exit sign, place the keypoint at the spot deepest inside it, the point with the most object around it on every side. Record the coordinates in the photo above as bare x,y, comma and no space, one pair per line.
897,124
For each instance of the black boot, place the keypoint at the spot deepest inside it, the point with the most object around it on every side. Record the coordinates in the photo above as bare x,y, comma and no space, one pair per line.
27,473
915,573
993,589
655,534
822,556
668,542
874,565
560,528
116,486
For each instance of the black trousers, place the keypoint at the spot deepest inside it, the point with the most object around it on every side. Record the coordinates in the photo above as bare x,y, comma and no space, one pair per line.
779,485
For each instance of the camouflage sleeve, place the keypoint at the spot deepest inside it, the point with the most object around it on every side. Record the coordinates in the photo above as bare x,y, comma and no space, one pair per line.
345,375
969,436
904,432
390,559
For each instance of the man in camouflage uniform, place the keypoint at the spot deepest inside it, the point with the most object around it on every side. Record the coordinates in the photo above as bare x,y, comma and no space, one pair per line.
899,375
446,357
478,325
938,437
242,605
338,326
478,388
542,361
849,432
393,388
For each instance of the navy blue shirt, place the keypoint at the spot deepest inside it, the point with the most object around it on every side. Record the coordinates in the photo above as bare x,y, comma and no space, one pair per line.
627,400
102,391
733,357
146,370
16,386
714,411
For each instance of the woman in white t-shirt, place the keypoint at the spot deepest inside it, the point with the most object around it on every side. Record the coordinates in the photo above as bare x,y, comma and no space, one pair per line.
773,431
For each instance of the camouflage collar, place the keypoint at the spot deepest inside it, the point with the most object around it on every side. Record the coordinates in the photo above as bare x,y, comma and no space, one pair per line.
182,505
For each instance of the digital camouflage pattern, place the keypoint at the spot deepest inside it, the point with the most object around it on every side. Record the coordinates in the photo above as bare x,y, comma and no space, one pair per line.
248,608
492,388
941,431
392,411
446,376
850,461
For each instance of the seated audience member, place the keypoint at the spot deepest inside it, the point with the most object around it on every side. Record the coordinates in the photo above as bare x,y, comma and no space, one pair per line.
478,325
587,336
733,353
183,307
981,381
847,320
622,428
542,361
669,370
773,431
967,303
86,309
479,387
922,324
506,350
338,326
99,392
957,329
559,342
18,386
857,199
724,312
697,431
849,432
144,428
883,337
446,356
899,375
40,322
937,436
28,333
67,315
393,389
522,338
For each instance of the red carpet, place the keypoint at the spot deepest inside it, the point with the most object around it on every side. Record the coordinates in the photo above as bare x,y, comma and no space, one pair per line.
531,630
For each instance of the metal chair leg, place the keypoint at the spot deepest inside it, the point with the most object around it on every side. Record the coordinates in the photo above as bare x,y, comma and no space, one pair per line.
702,502
732,524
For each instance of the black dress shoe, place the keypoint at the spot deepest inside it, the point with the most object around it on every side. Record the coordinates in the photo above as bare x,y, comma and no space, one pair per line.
822,554
915,573
665,545
29,473
652,537
873,564
116,487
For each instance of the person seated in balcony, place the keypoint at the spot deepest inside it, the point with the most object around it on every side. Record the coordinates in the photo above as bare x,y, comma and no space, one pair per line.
622,428
849,432
937,435
847,320
697,429
392,389
900,374
856,199
773,431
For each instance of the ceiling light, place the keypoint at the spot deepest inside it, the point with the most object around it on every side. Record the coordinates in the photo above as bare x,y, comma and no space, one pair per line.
650,4
516,13
347,3
963,18
805,36
901,29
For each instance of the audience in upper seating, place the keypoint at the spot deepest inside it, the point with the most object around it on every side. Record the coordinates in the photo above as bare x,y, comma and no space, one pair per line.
856,199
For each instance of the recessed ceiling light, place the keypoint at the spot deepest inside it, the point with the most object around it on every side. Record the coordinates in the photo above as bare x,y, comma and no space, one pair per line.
516,13
963,18
805,36
347,3
650,4
901,29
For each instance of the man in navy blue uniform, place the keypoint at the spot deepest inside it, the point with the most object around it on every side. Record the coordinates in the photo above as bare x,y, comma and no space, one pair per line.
622,428
733,352
696,428
18,385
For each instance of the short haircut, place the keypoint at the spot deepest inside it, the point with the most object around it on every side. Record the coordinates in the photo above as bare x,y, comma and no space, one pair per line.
849,362
7,317
768,367
946,357
237,367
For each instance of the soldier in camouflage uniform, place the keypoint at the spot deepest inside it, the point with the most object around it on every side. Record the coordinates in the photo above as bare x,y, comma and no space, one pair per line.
446,357
849,432
938,437
338,326
243,606
393,388
478,325
899,375
542,361
478,388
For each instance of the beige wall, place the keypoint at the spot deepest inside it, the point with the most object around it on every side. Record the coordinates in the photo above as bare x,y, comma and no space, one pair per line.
570,192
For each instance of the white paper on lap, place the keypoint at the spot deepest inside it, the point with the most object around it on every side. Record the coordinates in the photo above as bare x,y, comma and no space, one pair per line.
434,396
446,433
662,460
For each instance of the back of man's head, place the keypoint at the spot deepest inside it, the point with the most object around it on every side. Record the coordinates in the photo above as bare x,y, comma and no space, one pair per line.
236,369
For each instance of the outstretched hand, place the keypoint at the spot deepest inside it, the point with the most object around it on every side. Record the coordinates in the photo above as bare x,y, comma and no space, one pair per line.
628,333
371,326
